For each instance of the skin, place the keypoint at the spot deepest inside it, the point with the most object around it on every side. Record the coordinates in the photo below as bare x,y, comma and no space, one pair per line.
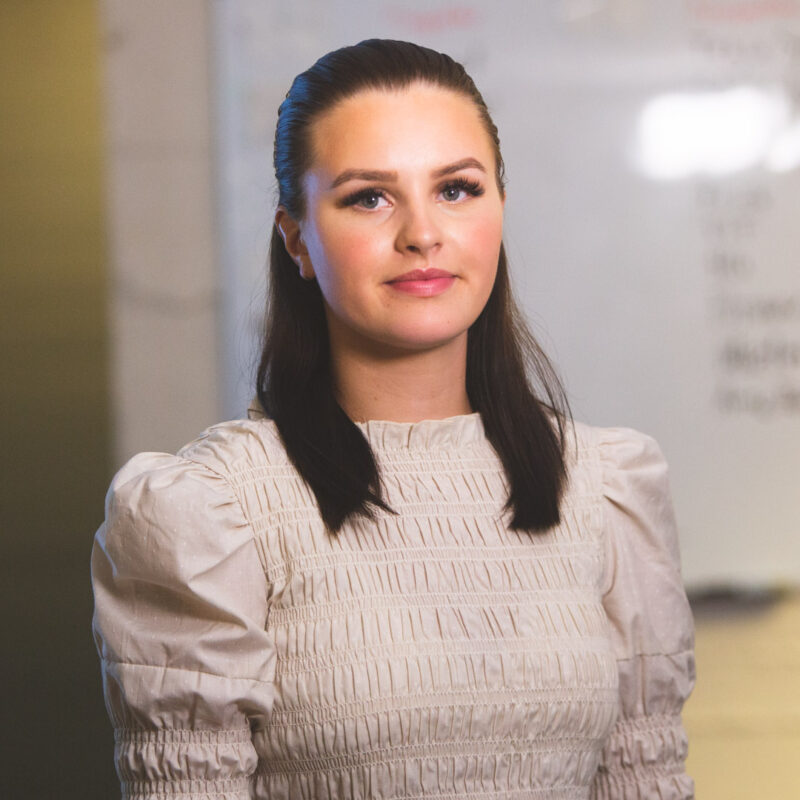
399,355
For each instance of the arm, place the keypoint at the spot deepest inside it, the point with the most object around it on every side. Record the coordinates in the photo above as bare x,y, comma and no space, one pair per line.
180,612
651,623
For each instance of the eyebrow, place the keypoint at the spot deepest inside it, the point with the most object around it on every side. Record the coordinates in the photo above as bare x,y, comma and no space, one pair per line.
382,176
465,163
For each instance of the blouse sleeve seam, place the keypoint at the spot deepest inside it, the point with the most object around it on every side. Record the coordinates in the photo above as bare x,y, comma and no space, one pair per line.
160,789
128,736
649,722
111,662
224,478
605,468
607,579
683,652
635,775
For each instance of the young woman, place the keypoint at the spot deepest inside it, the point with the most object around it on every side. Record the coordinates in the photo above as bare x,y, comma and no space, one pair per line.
408,574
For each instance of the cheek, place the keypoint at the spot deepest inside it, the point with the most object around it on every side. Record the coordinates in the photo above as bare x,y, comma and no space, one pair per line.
344,262
483,241
357,249
349,254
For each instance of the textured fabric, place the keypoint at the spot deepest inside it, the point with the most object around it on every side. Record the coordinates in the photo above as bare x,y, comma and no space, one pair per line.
246,652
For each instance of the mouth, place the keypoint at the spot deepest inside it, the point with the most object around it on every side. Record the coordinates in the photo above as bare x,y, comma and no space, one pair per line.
423,282
422,275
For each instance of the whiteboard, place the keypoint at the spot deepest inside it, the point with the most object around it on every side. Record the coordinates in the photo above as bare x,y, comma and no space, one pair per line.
652,222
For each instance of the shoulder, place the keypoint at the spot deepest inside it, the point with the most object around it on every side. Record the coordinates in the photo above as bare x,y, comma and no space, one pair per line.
160,499
215,458
627,463
632,480
236,446
613,446
174,563
223,449
626,472
615,459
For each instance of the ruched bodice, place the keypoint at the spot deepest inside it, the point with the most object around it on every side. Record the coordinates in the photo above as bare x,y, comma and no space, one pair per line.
432,652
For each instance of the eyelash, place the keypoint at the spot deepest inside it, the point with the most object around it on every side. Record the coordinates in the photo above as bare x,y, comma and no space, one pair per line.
472,188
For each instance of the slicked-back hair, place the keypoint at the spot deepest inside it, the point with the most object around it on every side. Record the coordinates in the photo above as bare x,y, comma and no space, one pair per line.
509,378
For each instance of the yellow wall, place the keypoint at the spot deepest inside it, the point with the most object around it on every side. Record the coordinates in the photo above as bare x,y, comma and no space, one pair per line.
54,397
51,234
744,716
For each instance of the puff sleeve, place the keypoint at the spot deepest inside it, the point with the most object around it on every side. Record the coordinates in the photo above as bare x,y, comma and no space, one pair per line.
651,625
179,622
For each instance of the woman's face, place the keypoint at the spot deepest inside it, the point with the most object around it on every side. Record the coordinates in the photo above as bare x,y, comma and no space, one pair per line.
404,219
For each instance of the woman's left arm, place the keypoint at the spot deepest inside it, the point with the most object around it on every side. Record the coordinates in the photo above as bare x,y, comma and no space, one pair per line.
652,627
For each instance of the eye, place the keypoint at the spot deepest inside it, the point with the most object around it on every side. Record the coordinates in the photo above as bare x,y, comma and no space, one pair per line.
452,193
368,199
459,189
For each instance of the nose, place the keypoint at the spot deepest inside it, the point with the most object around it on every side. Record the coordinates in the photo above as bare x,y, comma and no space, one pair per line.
418,232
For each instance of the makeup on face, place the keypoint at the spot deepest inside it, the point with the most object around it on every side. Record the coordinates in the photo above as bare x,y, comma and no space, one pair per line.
404,217
423,282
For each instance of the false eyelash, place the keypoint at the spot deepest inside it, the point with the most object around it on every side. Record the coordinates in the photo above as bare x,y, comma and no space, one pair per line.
465,184
360,194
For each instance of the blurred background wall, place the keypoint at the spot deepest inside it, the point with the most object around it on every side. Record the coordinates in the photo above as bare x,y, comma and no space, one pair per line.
110,309
56,442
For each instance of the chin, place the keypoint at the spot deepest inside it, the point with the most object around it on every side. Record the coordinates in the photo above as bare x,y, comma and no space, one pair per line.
421,340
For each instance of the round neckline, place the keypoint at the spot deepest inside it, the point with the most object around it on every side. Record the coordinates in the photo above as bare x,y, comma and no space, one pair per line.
463,429
427,434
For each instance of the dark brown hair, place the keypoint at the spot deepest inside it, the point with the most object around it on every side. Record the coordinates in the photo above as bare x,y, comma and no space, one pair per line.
294,382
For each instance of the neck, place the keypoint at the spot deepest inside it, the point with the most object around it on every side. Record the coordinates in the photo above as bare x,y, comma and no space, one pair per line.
402,387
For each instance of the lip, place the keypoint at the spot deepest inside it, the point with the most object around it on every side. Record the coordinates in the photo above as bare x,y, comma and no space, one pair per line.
422,275
423,282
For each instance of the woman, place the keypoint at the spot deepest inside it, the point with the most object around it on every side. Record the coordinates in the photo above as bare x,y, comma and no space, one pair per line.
405,576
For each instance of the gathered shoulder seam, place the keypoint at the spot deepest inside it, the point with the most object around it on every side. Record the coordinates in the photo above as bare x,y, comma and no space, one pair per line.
225,478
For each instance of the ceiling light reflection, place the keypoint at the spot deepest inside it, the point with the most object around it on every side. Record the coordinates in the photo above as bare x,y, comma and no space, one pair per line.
784,155
681,134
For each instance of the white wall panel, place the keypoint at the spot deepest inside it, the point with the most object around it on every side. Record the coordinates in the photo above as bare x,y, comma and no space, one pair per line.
658,264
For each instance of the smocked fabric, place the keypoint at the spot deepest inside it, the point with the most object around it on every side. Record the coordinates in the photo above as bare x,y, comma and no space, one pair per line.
430,653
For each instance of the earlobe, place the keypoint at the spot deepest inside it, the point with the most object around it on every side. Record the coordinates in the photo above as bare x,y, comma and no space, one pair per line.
291,234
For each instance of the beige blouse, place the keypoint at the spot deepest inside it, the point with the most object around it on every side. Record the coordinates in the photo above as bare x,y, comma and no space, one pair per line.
248,653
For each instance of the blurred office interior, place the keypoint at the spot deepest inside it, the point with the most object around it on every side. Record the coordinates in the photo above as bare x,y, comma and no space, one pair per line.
112,324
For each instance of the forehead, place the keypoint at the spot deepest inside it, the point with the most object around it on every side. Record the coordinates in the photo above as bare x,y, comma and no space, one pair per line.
420,125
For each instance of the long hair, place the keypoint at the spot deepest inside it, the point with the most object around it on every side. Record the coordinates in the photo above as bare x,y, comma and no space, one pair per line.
294,380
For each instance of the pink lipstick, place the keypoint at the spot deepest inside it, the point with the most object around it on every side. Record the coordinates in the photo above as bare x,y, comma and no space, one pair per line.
423,282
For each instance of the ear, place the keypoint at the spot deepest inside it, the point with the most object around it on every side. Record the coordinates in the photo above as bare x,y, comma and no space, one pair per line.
292,236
